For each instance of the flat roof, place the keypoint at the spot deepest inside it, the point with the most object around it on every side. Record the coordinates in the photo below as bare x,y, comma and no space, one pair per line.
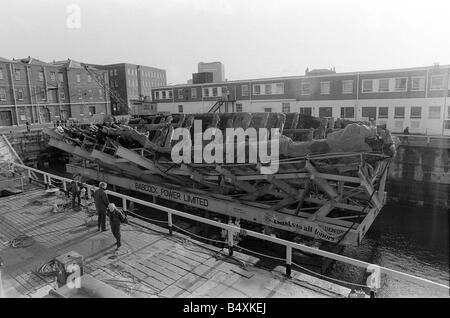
299,77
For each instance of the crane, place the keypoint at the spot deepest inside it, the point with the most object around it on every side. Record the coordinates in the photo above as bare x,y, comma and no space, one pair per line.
101,82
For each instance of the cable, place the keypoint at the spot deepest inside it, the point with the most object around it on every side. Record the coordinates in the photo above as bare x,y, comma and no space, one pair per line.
145,218
260,254
201,237
327,277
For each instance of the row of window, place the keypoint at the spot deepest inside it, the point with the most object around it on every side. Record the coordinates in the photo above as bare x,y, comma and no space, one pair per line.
52,75
434,112
40,91
437,82
382,85
130,71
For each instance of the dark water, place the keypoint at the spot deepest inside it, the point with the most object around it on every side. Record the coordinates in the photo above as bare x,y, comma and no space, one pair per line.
410,239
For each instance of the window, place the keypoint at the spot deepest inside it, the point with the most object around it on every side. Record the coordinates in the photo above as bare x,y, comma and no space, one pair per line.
238,108
256,90
180,108
90,93
78,78
2,93
437,82
279,88
347,112
434,112
60,77
415,124
111,72
206,92
19,94
164,94
305,111
286,107
399,112
347,87
416,112
225,91
91,110
324,88
80,94
367,86
17,74
53,76
42,92
170,94
100,93
383,112
1,74
267,110
305,88
194,92
448,112
244,90
115,72
214,91
417,83
62,95
383,85
268,89
89,78
180,93
156,95
400,84
325,112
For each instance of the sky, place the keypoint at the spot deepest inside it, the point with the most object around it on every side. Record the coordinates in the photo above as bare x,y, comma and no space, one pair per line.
253,38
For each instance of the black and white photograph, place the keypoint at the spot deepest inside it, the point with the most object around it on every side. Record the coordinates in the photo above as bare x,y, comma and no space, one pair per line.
222,154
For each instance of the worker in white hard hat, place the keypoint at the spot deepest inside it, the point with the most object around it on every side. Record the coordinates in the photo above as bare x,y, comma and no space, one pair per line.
114,221
101,204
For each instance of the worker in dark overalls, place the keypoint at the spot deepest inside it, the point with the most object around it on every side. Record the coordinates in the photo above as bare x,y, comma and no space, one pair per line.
101,204
114,221
75,190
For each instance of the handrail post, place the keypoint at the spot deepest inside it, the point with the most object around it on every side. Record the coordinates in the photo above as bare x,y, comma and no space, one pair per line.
29,175
230,242
169,221
64,185
124,203
288,261
45,181
374,279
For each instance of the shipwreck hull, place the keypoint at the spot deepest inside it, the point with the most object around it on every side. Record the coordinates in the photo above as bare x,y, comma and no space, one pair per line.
331,197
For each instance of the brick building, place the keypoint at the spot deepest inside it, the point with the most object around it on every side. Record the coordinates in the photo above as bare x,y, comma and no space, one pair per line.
40,92
417,98
132,83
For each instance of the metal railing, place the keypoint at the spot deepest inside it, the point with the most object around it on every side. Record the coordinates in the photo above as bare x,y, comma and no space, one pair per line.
373,281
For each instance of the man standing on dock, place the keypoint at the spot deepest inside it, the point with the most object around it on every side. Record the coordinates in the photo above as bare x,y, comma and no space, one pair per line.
114,221
101,204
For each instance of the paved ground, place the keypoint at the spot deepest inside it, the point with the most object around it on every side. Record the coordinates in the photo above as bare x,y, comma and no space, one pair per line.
150,264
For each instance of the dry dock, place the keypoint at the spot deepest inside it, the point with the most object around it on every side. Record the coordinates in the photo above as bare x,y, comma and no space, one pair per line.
150,264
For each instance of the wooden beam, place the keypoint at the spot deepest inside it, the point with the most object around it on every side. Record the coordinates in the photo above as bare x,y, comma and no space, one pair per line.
322,183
